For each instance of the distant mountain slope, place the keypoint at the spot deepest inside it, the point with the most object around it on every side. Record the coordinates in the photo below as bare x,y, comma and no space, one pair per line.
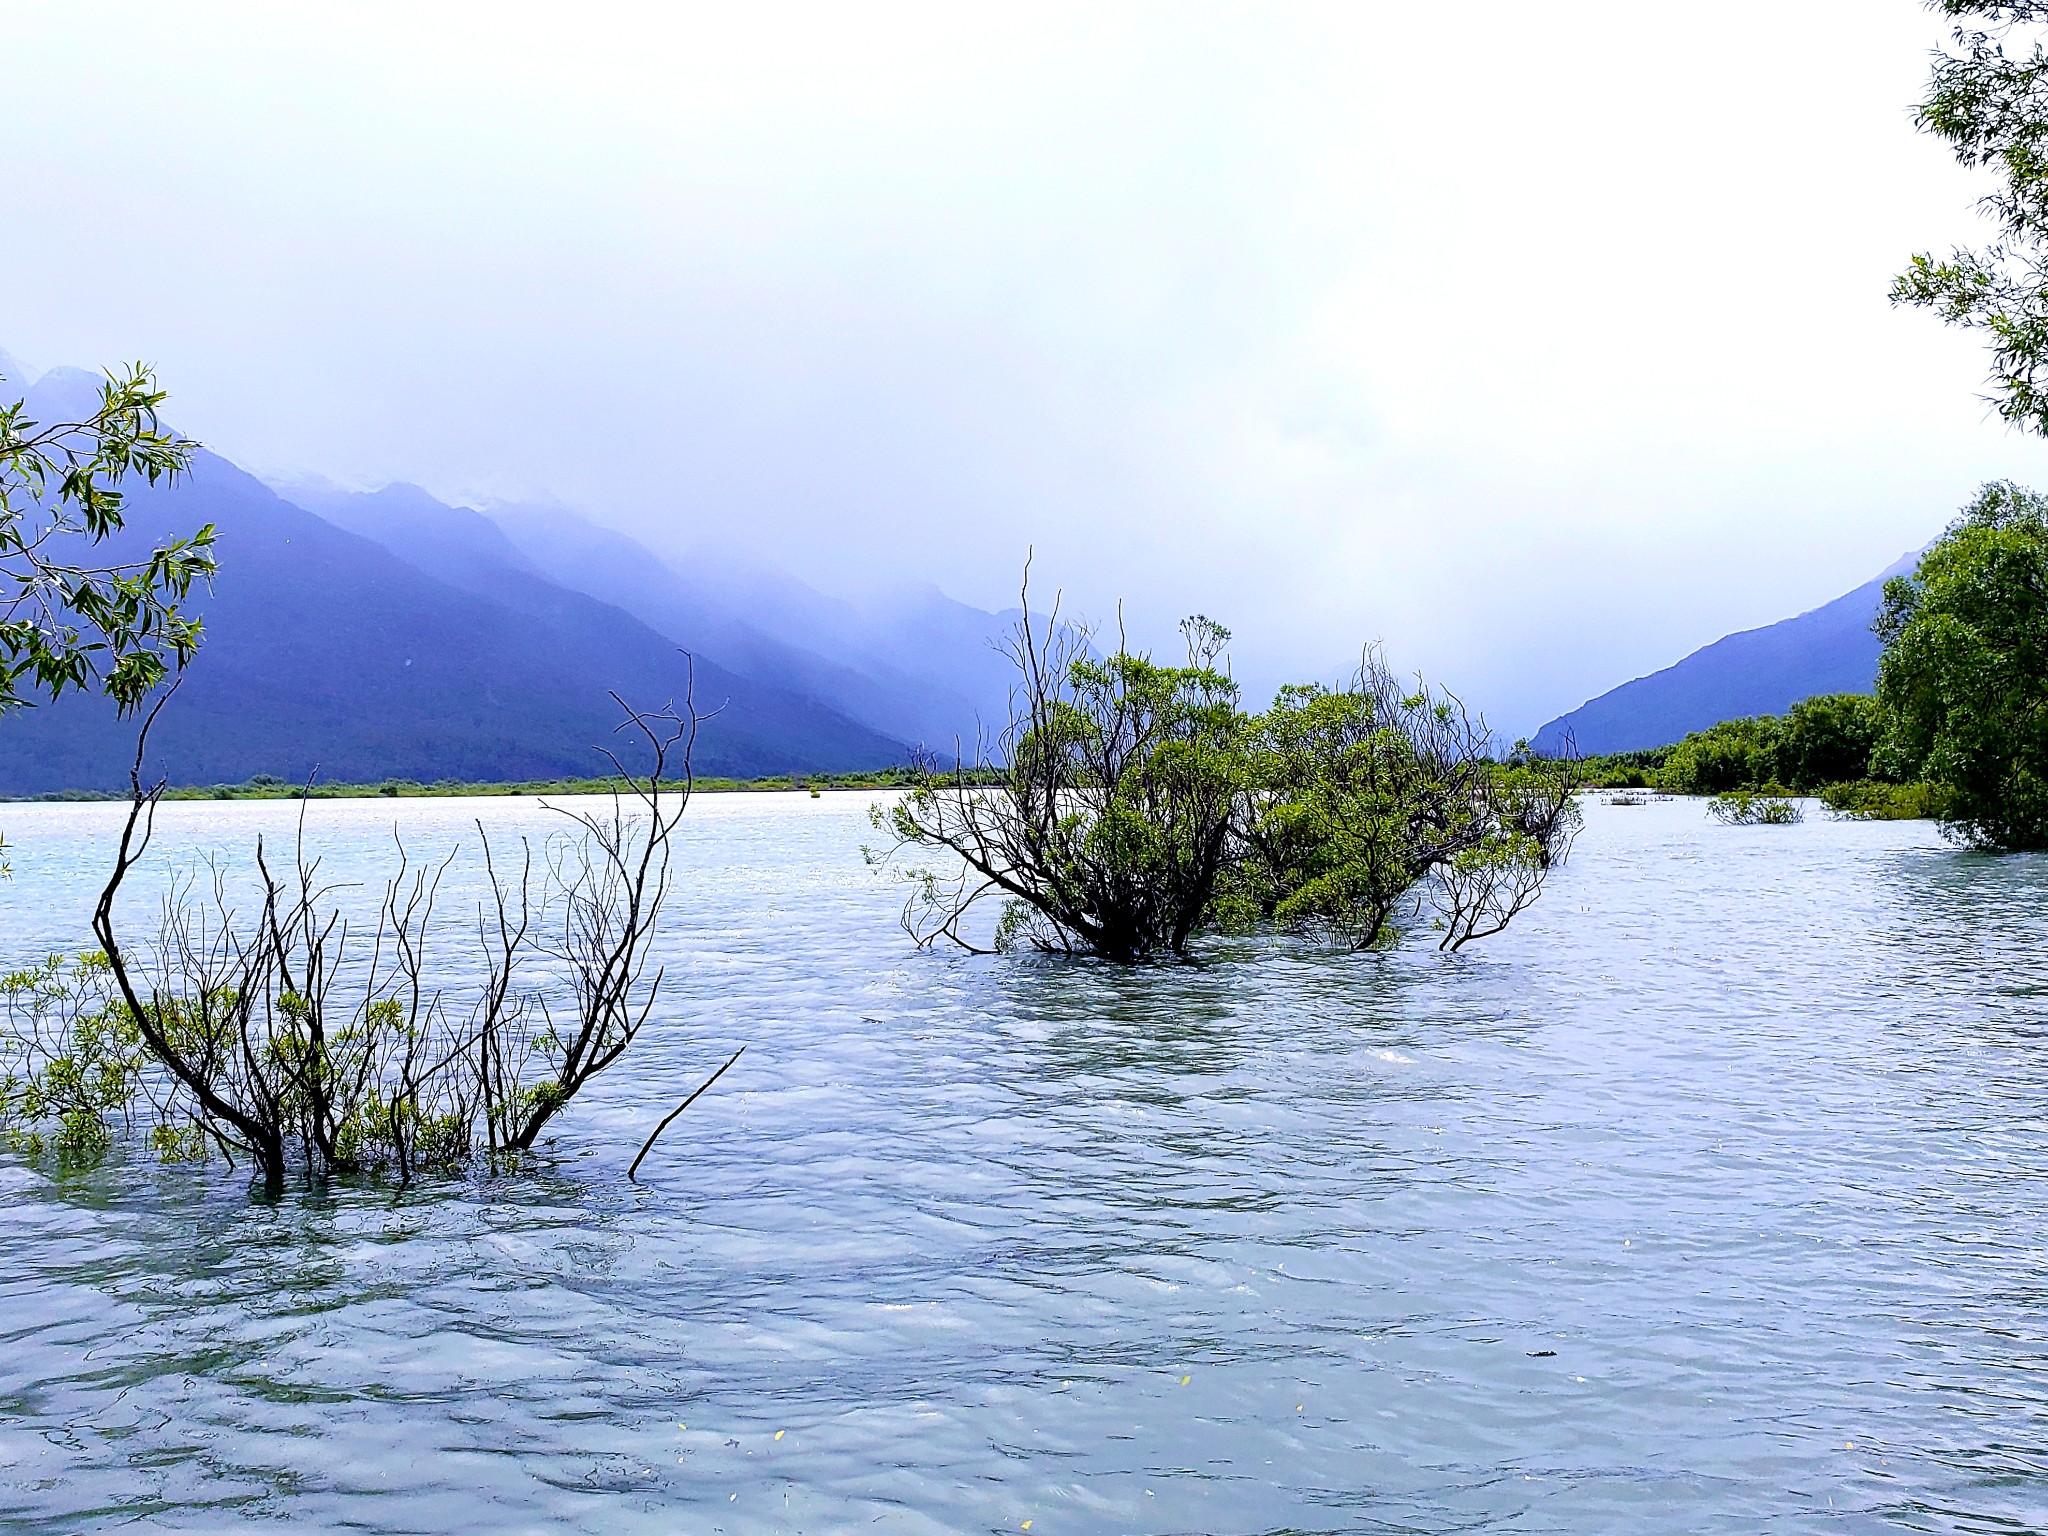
453,544
1754,672
325,650
921,667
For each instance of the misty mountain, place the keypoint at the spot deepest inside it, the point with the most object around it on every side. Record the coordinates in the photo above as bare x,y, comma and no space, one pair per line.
917,666
326,650
1754,672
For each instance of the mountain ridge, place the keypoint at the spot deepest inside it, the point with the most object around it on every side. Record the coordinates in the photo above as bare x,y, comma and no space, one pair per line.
1761,671
326,652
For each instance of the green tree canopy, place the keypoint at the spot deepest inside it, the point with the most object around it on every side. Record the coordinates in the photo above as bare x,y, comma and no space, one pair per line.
1133,806
1110,823
1826,739
66,622
1964,681
1378,800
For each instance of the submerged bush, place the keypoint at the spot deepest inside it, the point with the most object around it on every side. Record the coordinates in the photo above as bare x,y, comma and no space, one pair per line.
71,1059
1377,801
1867,800
1118,783
1751,808
277,1032
1131,806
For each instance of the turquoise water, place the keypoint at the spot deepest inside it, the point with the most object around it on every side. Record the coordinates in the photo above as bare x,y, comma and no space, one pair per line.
1711,1197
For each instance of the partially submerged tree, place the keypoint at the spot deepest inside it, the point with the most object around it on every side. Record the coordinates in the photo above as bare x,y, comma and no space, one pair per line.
1118,783
1133,806
289,1035
1963,682
1377,800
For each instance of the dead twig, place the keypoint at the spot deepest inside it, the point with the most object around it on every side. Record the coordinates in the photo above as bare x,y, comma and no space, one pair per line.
648,1145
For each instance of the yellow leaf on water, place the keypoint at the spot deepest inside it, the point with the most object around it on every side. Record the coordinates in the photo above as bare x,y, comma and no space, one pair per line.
780,1433
1185,1380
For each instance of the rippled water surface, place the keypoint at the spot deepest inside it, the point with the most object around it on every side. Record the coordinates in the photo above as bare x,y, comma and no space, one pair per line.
1711,1197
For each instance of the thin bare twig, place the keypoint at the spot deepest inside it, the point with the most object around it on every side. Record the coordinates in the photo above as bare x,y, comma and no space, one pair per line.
648,1145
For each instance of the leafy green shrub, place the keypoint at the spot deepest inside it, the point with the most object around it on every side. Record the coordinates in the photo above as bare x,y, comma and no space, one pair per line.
1134,807
71,1060
1736,754
1377,800
1867,800
1121,782
1752,808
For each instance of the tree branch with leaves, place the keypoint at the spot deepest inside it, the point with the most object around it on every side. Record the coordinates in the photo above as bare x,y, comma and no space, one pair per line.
1988,99
67,622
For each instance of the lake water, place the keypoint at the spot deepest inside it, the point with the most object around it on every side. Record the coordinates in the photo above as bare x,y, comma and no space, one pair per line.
1712,1197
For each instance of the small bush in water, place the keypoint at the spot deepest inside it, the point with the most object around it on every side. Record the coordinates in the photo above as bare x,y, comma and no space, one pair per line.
1864,800
71,1060
1753,808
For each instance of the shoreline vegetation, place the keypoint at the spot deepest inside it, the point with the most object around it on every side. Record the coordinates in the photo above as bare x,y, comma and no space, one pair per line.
267,787
1862,799
1650,769
1751,771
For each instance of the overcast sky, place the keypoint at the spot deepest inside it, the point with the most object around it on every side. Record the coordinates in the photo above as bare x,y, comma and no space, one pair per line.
1543,342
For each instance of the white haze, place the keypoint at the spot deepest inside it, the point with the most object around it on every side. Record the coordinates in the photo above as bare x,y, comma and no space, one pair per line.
1543,342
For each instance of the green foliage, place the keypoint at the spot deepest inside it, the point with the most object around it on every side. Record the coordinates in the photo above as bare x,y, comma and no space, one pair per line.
1964,679
1817,741
1330,828
174,1143
1825,739
1867,800
1822,740
1138,807
71,1059
1753,808
1111,826
1728,756
1989,100
1365,794
65,624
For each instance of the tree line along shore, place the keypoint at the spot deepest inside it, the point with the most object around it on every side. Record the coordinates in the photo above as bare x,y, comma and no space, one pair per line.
268,787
